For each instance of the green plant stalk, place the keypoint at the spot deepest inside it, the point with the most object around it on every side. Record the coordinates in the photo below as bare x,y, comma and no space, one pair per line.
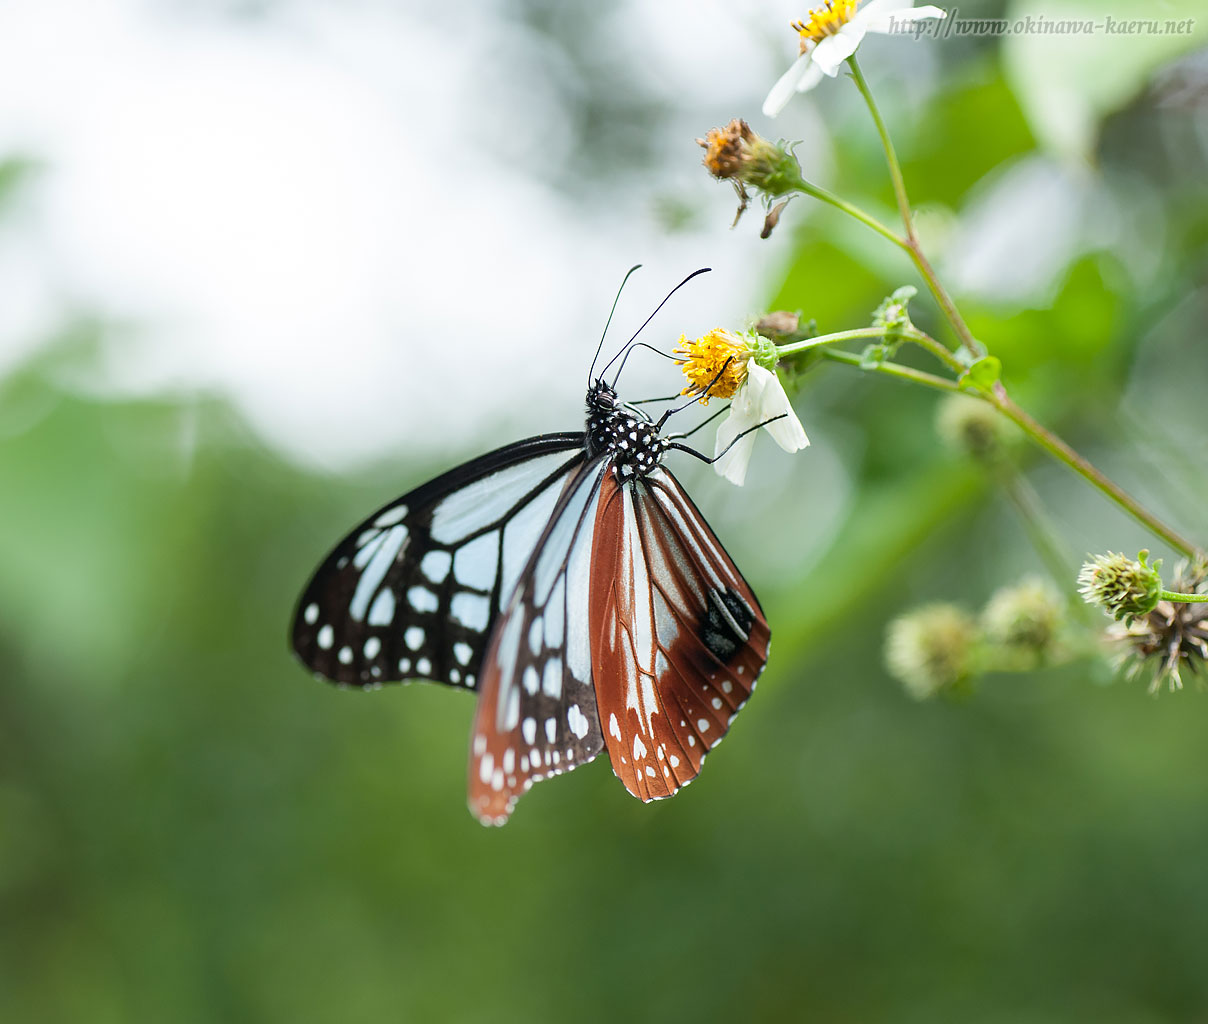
1170,595
895,370
1040,532
1044,438
911,244
1061,451
799,184
919,338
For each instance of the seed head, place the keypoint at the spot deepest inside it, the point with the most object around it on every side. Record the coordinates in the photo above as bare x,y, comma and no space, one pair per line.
1120,586
931,649
971,426
1025,621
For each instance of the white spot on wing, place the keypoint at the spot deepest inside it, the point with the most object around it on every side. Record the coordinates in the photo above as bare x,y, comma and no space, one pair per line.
375,559
326,637
435,565
311,615
551,729
422,599
381,612
413,637
462,652
391,516
471,610
529,729
372,646
551,678
577,721
532,681
613,728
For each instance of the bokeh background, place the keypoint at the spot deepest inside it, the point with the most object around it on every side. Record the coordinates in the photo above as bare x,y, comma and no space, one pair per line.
265,264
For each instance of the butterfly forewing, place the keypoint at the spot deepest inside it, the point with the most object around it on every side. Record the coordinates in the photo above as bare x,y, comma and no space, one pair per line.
414,591
681,638
536,712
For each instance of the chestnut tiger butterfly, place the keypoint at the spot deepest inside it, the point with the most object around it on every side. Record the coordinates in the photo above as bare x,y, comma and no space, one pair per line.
571,583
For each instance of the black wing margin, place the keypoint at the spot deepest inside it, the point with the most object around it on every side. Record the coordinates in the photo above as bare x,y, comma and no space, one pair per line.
414,591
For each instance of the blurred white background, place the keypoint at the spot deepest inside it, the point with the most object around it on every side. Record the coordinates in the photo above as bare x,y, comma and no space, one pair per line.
370,225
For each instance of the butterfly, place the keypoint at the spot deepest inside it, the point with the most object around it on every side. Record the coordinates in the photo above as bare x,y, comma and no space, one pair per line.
569,581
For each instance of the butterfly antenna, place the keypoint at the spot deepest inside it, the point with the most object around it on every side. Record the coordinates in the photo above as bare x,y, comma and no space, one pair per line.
600,347
629,350
695,273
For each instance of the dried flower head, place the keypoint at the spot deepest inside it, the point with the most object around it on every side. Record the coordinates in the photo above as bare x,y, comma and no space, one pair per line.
1025,620
1172,637
1120,586
931,649
738,154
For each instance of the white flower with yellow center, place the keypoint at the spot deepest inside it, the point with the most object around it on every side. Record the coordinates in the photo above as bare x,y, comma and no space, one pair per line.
831,34
722,364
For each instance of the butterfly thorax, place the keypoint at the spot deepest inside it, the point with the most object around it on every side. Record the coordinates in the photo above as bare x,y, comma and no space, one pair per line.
614,428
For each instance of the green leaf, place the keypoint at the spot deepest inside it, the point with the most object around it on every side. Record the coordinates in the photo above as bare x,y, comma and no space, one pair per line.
983,374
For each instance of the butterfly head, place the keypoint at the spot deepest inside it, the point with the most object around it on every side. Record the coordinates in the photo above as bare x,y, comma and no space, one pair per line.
622,432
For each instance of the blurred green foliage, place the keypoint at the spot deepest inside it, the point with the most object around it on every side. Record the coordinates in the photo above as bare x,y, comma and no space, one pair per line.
191,829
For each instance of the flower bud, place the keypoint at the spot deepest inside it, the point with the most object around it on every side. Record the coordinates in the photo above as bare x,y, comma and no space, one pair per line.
1120,586
1025,621
931,649
972,427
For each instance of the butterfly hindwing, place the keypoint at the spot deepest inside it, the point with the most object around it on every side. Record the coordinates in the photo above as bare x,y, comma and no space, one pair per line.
414,591
536,714
681,637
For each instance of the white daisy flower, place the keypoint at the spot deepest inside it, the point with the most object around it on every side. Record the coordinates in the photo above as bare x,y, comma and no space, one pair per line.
722,364
760,401
831,35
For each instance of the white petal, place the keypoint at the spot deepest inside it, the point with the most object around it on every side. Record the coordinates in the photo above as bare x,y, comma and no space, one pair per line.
834,50
786,85
733,464
772,402
813,75
875,8
789,433
898,19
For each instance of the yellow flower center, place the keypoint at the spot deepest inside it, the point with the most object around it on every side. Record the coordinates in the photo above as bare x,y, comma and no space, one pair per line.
825,21
715,364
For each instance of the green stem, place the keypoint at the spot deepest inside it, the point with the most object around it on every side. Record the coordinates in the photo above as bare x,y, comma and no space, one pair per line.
896,370
920,338
810,189
1056,447
1170,595
1040,532
940,351
912,246
1047,440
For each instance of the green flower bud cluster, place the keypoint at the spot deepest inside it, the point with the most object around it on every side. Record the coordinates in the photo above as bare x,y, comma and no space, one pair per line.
940,649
